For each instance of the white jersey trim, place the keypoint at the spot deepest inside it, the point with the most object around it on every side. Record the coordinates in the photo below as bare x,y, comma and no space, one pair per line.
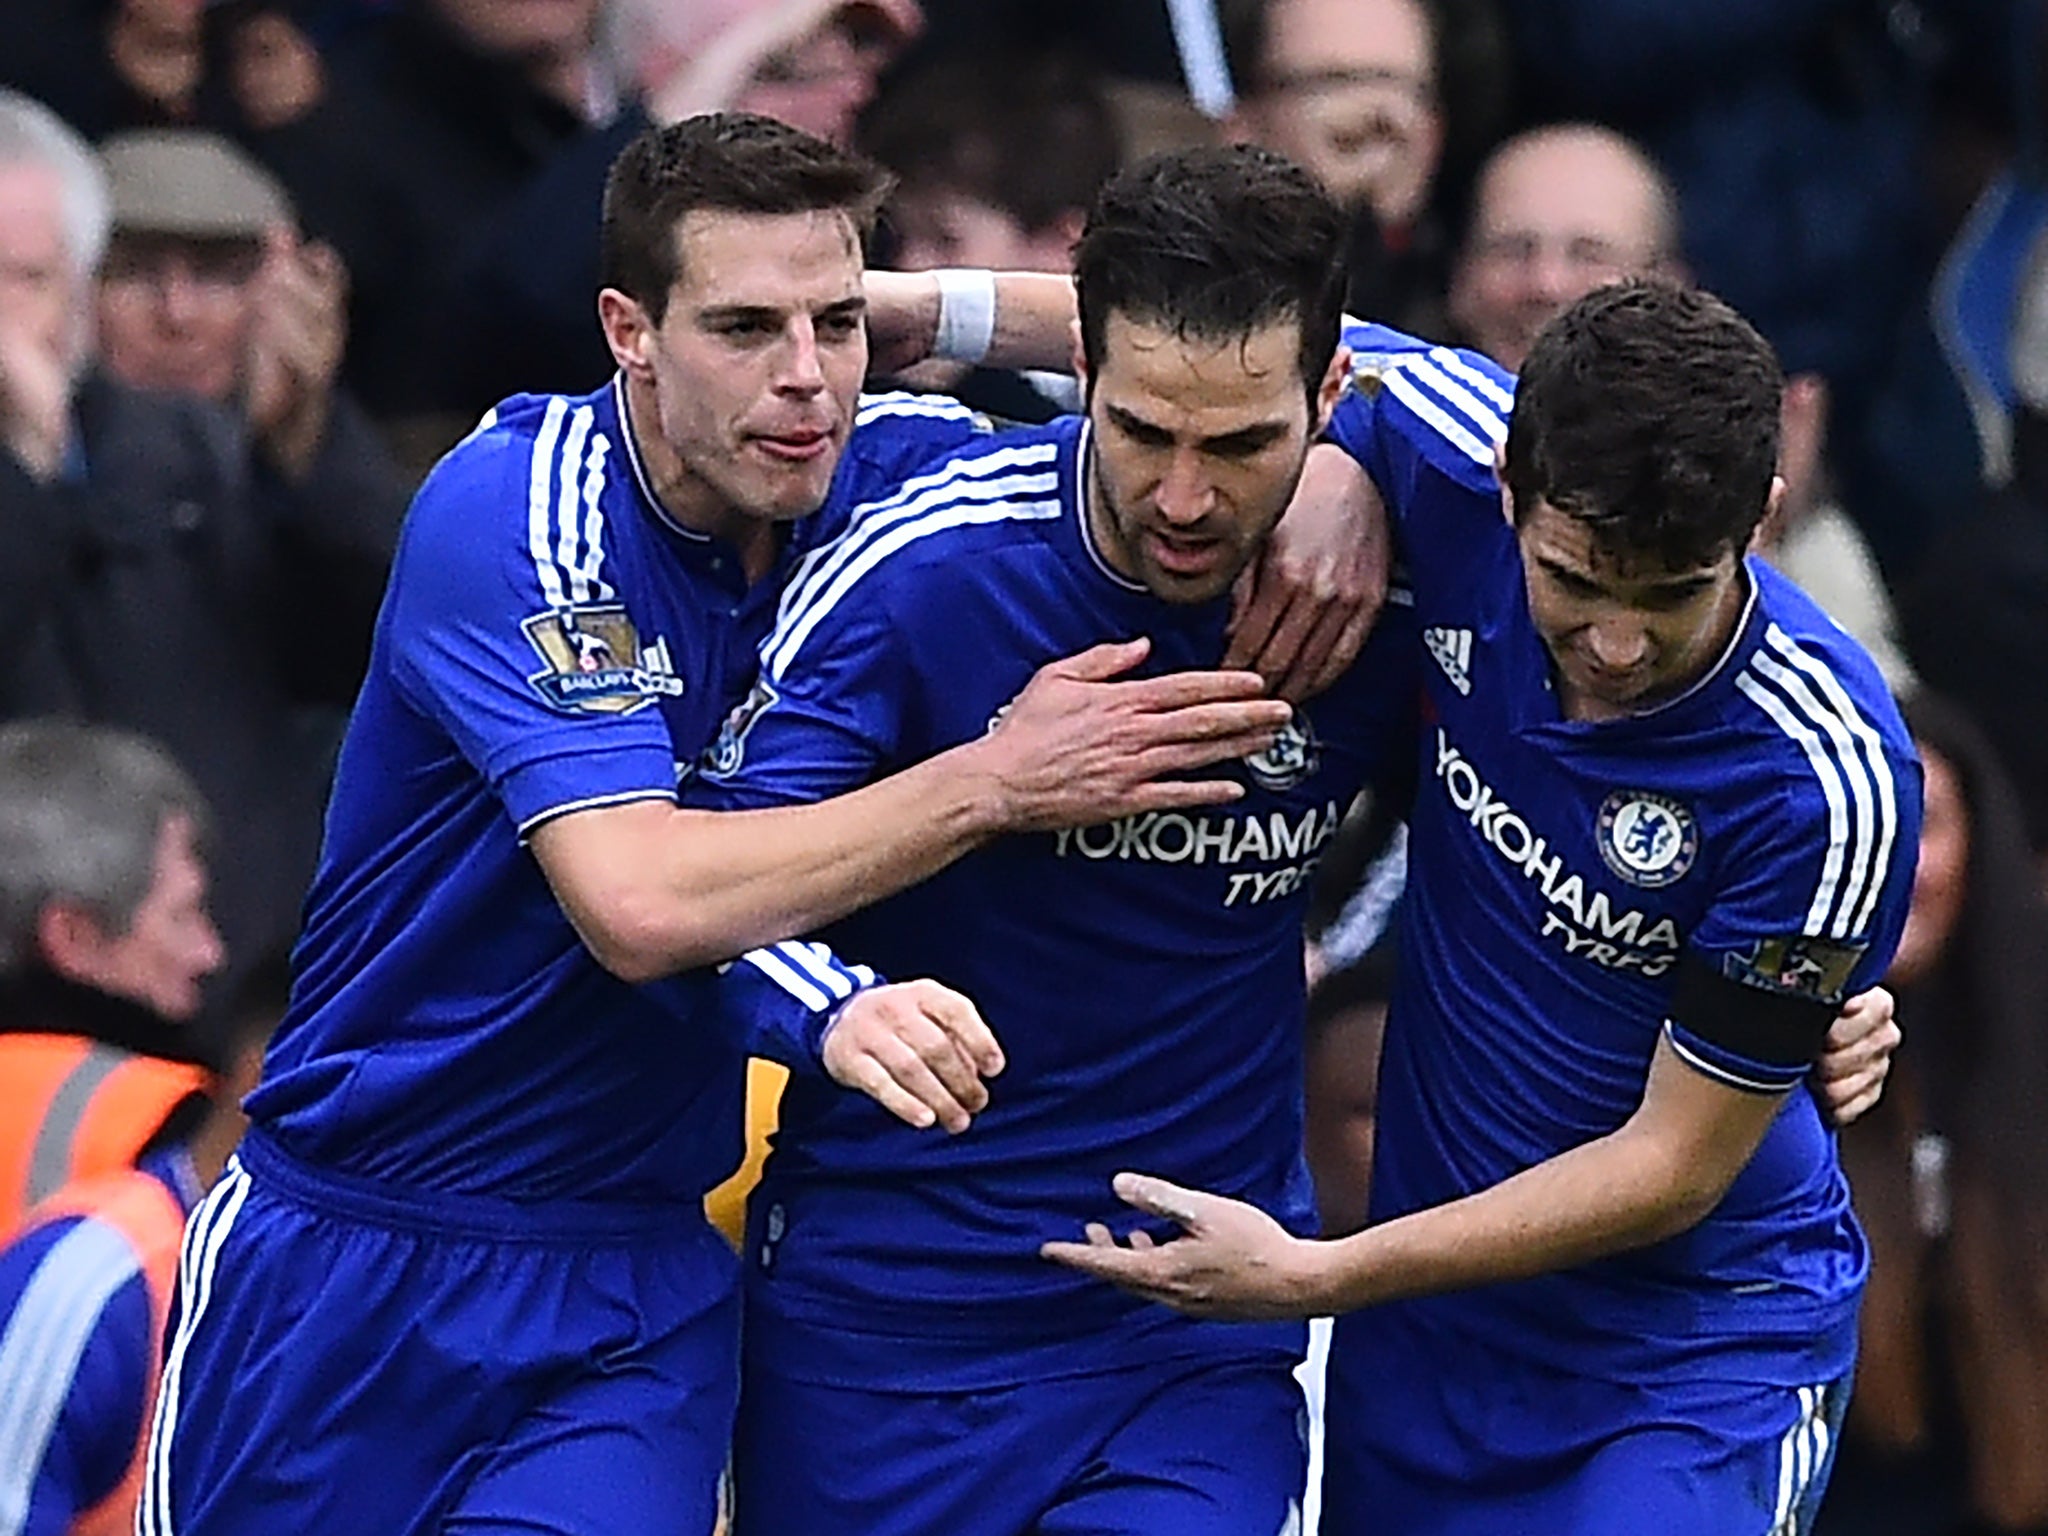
564,520
1007,485
1808,703
809,972
594,802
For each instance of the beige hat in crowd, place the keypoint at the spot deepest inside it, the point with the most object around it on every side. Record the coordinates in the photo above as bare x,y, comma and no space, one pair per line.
186,181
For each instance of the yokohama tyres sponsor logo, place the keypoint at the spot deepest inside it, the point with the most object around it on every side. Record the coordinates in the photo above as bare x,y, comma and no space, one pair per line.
1169,837
1582,916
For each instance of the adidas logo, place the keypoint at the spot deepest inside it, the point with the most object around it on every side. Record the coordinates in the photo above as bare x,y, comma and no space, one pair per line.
1452,649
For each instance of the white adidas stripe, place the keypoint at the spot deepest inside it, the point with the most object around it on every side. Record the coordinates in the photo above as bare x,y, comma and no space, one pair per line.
564,516
1808,703
204,1234
899,402
977,489
53,1321
1481,417
1500,396
1398,383
913,496
777,968
1874,759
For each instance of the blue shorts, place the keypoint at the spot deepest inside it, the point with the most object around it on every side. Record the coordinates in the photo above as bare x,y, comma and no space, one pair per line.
1191,1447
1426,1436
338,1364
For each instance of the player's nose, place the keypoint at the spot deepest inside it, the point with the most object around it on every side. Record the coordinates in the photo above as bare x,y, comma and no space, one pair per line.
1618,644
1185,494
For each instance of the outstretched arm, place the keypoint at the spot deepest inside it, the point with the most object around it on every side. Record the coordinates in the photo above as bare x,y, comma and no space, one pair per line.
1656,1176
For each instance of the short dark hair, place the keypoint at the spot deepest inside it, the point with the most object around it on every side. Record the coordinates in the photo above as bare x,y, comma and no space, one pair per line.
1214,243
733,162
1649,411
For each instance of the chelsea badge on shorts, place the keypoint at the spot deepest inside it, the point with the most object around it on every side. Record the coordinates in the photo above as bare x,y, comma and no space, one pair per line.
1648,839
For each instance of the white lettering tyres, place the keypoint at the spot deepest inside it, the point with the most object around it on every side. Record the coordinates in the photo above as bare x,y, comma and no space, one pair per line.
1626,940
1170,837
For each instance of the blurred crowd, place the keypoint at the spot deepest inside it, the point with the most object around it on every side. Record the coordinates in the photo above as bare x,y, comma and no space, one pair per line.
262,261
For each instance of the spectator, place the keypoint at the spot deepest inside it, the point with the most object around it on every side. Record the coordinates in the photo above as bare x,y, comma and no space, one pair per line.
1556,212
93,1271
996,163
531,315
436,116
104,942
1350,89
1948,1430
160,575
207,290
1347,1017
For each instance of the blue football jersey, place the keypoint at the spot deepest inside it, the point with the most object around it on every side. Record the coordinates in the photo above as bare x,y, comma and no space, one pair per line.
550,641
1144,976
1762,827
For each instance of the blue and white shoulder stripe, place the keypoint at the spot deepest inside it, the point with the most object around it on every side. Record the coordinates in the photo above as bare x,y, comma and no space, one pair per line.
565,522
1459,399
901,402
1804,698
46,1337
1015,483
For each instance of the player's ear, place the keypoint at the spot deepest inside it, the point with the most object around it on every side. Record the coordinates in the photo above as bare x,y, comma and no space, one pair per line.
1331,389
628,331
1768,527
1500,475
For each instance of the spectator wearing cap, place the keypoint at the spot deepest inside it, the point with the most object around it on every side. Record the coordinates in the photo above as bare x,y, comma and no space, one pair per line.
160,573
207,290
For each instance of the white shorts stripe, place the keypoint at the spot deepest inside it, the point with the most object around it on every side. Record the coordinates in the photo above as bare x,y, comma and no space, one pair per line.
818,963
53,1321
540,503
204,1235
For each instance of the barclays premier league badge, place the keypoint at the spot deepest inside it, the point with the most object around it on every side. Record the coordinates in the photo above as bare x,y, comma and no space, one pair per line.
1649,840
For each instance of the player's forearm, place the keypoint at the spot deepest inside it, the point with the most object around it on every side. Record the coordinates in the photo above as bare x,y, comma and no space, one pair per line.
1032,325
725,882
1623,1191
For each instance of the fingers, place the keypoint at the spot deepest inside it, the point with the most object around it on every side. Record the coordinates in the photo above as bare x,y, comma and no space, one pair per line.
1189,690
1259,607
963,1024
1099,663
918,1050
1180,1206
1855,1109
1329,650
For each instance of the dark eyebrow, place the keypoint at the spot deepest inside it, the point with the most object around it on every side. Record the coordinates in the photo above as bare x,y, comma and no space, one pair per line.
729,314
1246,439
849,307
1137,426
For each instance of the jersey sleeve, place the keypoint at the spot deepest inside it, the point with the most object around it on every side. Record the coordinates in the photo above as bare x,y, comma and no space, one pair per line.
1815,913
1421,420
501,626
76,1341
